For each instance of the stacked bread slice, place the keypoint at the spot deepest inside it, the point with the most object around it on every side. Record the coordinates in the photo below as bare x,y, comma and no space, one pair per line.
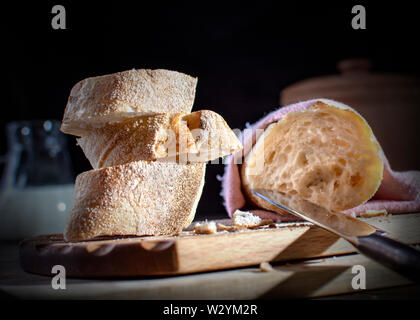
148,152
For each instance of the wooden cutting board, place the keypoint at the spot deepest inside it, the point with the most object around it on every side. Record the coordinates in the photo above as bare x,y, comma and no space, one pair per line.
190,253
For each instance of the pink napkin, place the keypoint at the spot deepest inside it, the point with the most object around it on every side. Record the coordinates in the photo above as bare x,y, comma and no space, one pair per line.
399,192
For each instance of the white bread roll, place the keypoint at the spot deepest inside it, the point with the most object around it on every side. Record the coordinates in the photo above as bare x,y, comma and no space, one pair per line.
138,198
96,101
326,154
196,137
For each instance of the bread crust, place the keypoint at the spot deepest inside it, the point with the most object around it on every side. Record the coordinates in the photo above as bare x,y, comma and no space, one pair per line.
141,138
138,198
96,101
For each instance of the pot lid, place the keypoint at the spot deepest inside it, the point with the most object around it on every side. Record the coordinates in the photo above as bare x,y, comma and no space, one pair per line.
354,80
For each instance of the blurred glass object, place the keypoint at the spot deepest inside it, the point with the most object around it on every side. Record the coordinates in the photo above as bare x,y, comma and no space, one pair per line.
37,184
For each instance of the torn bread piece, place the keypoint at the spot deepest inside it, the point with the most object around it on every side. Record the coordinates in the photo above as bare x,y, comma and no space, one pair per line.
374,213
223,227
138,198
326,154
97,101
205,227
266,267
212,136
247,220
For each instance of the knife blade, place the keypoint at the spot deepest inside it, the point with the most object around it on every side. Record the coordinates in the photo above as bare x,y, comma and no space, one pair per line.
367,239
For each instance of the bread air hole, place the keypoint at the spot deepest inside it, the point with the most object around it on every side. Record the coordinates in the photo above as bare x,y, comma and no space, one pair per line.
301,159
314,179
316,182
322,114
341,143
337,170
270,157
327,129
283,187
193,120
356,179
282,159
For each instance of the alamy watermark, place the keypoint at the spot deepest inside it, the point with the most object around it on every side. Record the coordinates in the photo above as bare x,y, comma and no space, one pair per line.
58,21
199,145
358,282
58,282
359,18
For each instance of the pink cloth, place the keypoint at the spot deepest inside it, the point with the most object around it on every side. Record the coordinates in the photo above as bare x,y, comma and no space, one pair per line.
399,192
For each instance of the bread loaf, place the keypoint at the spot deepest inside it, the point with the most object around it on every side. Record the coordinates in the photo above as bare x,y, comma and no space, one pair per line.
138,198
196,137
96,101
126,122
325,154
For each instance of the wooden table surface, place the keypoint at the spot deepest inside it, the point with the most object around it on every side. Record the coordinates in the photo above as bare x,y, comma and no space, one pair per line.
325,278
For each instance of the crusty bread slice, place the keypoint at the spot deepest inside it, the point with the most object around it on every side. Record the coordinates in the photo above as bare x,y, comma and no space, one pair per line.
140,138
326,154
96,101
138,198
197,137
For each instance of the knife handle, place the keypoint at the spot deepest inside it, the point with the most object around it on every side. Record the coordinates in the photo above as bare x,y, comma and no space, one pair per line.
393,254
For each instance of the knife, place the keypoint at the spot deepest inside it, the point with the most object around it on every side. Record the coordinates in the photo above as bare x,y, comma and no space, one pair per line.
367,239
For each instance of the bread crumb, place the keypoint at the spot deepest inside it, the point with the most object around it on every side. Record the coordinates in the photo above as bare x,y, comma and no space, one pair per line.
205,227
374,213
248,220
266,267
222,227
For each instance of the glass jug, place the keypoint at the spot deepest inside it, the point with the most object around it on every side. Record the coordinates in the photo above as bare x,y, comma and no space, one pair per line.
37,184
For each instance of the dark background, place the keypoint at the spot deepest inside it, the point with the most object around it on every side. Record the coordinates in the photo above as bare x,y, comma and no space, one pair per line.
243,54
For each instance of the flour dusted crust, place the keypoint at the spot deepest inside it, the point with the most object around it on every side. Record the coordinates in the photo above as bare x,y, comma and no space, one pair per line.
141,138
138,198
126,141
326,154
96,101
195,137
